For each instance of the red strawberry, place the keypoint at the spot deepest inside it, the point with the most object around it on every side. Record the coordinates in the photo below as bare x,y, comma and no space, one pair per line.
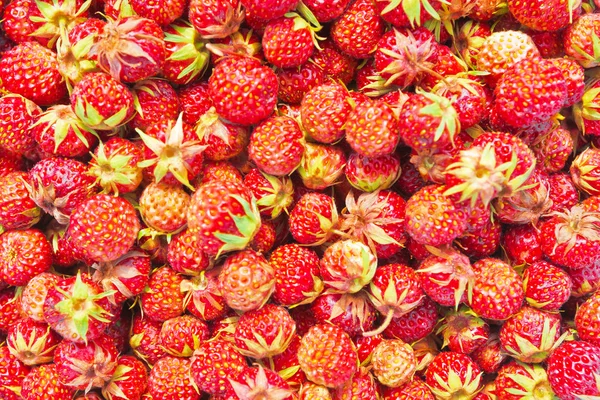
414,325
23,255
31,70
414,389
294,83
572,369
351,312
341,362
372,129
129,379
215,19
313,219
185,256
579,40
248,80
203,297
130,49
180,336
78,309
154,99
163,13
186,56
357,31
321,166
224,216
115,166
586,322
127,276
268,10
169,379
17,117
516,380
324,111
12,375
214,364
102,102
522,244
34,294
288,41
32,342
163,300
17,209
534,14
144,339
547,287
451,373
42,383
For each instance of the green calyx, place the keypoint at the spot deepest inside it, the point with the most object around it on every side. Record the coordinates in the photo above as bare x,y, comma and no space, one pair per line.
247,225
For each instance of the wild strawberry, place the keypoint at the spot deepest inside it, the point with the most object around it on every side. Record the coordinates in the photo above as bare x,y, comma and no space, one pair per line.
500,50
277,145
16,23
369,174
547,287
393,362
377,220
572,369
394,291
372,129
584,171
84,366
347,265
579,40
433,218
169,379
326,11
518,379
446,276
214,19
127,276
563,192
222,139
586,323
468,39
78,309
224,216
553,149
172,152
341,362
41,84
181,335
497,291
102,102
246,280
17,118
519,100
186,55
573,74
490,356
214,363
351,312
288,41
428,121
32,342
335,64
130,49
531,334
321,165
12,374
144,339
163,207
42,383
163,299
154,99
585,112
162,13
218,170
256,339
571,238
534,15
313,219
129,379
255,382
483,241
357,31
324,111
585,281
17,209
23,255
114,164
244,75
297,274
273,194
413,389
294,83
469,98
414,325
185,256
34,294
203,297
463,331
103,227
450,373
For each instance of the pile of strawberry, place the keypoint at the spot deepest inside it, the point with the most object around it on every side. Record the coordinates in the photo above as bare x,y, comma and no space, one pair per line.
315,199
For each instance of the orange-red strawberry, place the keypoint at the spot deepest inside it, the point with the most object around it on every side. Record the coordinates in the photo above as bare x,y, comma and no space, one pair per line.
516,380
17,117
414,389
163,207
497,291
586,322
394,362
224,216
324,111
372,129
347,266
163,299
169,379
42,383
185,256
32,342
215,19
243,90
34,294
114,164
144,339
330,368
546,286
313,219
288,41
246,280
181,335
534,14
580,38
12,374
277,145
129,379
163,13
